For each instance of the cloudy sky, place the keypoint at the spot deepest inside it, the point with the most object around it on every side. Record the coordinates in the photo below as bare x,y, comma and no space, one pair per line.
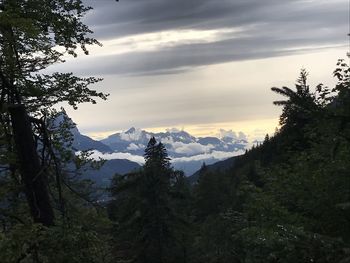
203,65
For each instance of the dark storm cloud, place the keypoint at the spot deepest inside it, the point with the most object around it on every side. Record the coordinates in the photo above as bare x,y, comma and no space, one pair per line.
111,19
269,28
141,16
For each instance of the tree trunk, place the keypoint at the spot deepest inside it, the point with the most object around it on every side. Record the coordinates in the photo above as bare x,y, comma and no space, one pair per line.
34,180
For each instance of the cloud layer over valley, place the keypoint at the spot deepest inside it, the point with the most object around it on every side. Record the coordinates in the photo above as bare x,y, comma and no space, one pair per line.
187,152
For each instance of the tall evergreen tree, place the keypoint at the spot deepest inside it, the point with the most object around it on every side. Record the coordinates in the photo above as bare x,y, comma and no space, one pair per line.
300,104
155,192
144,209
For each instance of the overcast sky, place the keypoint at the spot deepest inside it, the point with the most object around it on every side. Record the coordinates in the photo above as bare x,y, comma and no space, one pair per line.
203,65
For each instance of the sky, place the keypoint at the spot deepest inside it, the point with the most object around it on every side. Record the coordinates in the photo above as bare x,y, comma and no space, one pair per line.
204,65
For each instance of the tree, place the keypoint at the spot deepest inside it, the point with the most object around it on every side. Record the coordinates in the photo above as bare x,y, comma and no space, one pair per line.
35,34
156,228
298,108
301,211
286,203
144,209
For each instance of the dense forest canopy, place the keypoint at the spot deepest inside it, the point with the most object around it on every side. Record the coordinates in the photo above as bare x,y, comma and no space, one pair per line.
286,200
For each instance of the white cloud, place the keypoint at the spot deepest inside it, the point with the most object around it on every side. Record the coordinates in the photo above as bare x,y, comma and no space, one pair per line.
242,136
227,133
162,39
168,140
117,155
133,147
219,155
191,148
231,134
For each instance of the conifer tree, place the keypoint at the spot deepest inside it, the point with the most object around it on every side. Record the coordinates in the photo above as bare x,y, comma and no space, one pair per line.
142,208
300,104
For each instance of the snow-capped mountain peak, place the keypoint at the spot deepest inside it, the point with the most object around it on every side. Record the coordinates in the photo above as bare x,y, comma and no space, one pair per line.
178,143
186,151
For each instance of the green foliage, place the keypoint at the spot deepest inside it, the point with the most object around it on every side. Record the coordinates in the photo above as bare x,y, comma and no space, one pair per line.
147,210
35,34
288,198
58,244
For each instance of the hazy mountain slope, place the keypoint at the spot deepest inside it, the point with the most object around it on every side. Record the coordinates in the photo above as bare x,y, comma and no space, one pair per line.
218,166
83,142
103,176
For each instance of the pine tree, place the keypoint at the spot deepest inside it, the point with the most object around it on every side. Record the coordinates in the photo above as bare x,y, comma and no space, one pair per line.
157,175
156,156
144,209
300,104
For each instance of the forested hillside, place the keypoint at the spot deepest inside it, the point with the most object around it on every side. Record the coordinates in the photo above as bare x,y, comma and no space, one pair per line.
286,200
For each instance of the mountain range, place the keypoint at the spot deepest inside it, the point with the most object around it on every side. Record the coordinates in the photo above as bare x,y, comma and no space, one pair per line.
186,151
178,143
124,150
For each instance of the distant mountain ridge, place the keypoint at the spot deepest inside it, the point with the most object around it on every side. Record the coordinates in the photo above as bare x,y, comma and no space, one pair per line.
186,151
102,177
178,143
81,142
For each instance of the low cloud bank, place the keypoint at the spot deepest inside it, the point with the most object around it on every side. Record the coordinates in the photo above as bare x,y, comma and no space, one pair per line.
118,155
232,134
218,155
